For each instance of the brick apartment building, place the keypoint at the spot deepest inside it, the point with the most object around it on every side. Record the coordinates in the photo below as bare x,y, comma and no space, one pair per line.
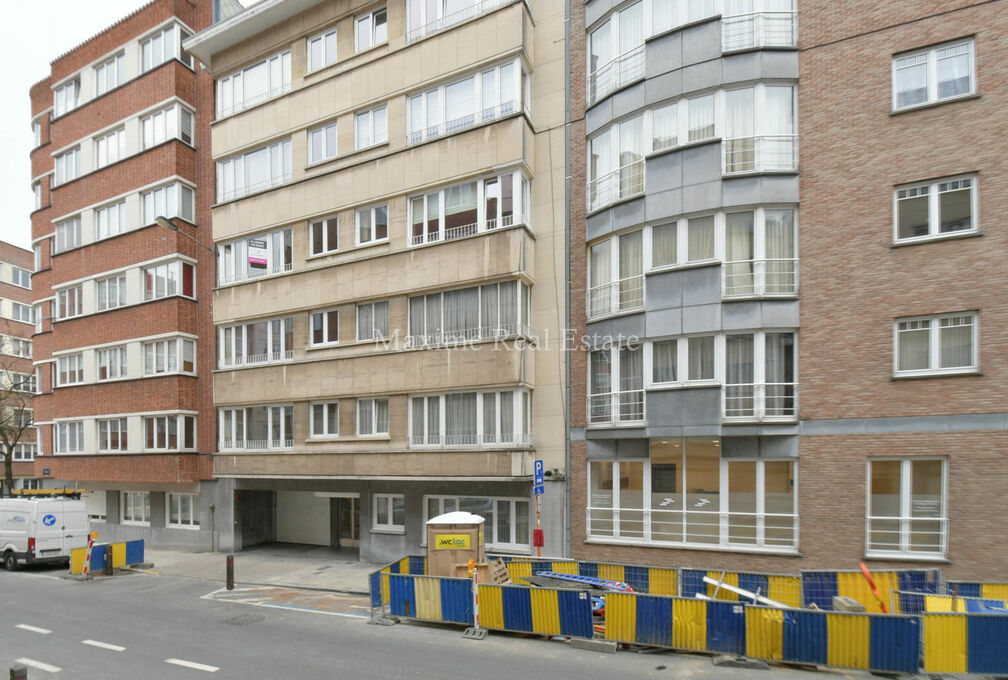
123,331
714,423
16,370
390,275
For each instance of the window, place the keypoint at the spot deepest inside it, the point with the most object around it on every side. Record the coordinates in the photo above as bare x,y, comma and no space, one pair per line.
389,512
37,133
111,363
906,507
759,254
19,382
257,427
66,97
256,342
490,311
467,209
616,275
470,419
372,417
690,495
325,327
254,84
171,200
183,510
169,432
616,52
945,343
325,419
371,127
766,23
616,163
371,30
37,194
933,75
174,122
108,75
111,292
256,256
21,312
372,321
760,376
455,106
506,520
164,45
24,453
372,224
17,346
616,385
68,302
254,171
322,50
37,251
68,235
136,507
759,134
322,143
69,436
110,220
112,435
175,355
21,277
67,166
943,207
70,369
324,235
167,279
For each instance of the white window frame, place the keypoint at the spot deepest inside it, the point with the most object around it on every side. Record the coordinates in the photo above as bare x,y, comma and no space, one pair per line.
37,133
67,166
21,277
929,58
185,425
376,134
616,405
232,256
24,453
323,315
934,344
326,227
23,313
366,27
388,500
367,218
231,88
172,122
70,370
233,182
113,361
232,431
112,427
372,405
520,434
111,292
328,139
68,437
171,200
490,325
66,97
186,518
67,234
934,192
109,74
453,503
328,49
110,220
328,408
373,333
69,302
160,39
683,378
174,274
135,508
171,353
520,211
906,518
37,195
233,342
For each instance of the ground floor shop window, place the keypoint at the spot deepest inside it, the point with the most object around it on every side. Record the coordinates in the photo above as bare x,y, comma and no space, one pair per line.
506,520
906,507
687,494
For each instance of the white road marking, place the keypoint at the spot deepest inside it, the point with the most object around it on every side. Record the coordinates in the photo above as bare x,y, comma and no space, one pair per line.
103,645
193,664
34,629
39,665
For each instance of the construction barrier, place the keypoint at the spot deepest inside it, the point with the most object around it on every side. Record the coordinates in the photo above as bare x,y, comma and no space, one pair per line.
920,603
993,591
431,598
819,587
378,582
652,580
965,643
676,622
122,554
545,611
782,588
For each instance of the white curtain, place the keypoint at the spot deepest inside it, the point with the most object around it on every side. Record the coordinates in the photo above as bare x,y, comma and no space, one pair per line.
461,312
631,27
508,299
601,262
434,419
739,359
365,322
663,361
956,340
914,340
954,73
460,418
488,310
601,372
418,419
701,358
381,416
631,150
663,245
664,127
780,251
739,130
739,253
700,231
460,102
601,46
434,315
631,269
489,417
507,416
779,352
778,111
416,317
663,15
701,117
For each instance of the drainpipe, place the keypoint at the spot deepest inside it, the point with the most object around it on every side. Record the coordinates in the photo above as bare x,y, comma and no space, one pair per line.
567,282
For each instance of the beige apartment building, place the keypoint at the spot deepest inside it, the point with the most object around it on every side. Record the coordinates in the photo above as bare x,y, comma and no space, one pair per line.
389,230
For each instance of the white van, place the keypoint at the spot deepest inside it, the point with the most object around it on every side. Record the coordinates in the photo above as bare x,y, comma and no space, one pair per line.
41,530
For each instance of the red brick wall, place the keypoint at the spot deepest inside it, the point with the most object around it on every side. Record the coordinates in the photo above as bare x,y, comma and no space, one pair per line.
146,467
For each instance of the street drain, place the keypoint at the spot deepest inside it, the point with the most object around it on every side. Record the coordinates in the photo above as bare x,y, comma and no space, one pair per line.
245,619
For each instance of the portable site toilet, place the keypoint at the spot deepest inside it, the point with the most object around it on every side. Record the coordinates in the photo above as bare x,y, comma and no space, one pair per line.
453,539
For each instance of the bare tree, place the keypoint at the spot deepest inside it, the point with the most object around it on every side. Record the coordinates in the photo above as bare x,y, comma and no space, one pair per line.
16,390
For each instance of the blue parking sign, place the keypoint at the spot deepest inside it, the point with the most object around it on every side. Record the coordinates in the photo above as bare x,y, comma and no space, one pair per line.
538,478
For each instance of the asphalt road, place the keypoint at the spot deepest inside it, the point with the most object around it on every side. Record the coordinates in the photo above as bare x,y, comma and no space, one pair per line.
150,627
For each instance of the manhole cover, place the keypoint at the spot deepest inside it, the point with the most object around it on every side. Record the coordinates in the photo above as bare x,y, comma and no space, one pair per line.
245,619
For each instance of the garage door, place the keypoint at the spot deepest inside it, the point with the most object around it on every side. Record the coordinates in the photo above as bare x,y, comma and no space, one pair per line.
302,517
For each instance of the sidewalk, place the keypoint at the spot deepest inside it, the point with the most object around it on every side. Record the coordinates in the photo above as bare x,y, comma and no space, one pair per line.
294,566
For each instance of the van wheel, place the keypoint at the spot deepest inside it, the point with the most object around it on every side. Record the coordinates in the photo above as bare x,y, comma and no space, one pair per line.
10,561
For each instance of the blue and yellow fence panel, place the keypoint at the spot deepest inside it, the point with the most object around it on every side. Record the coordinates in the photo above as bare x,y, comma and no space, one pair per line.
121,554
378,582
965,643
956,604
134,551
990,591
430,598
675,622
819,587
780,587
545,611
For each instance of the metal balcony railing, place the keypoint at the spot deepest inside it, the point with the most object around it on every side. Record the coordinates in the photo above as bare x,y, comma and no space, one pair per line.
616,296
255,444
274,181
758,278
761,401
907,535
624,69
225,111
694,527
225,279
450,440
252,359
621,183
765,153
616,407
454,337
449,20
759,29
462,123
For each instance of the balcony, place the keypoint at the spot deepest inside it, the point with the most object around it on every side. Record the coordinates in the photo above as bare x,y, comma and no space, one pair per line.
253,359
273,181
225,111
616,408
907,536
471,440
449,20
710,528
760,278
621,71
462,336
463,230
761,402
486,115
617,185
625,295
255,444
237,277
766,153
759,29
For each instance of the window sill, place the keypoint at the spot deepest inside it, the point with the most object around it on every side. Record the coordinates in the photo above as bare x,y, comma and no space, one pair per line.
956,374
321,438
372,437
921,240
388,530
324,345
184,527
368,244
131,523
931,105
910,557
319,256
637,424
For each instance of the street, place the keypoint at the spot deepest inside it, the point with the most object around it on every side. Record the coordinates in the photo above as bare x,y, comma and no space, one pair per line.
150,627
